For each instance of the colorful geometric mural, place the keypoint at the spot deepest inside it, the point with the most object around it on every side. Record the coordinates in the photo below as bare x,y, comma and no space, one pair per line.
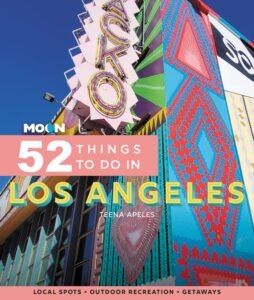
201,148
153,123
150,86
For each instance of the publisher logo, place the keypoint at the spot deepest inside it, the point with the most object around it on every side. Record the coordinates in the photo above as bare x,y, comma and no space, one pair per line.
41,128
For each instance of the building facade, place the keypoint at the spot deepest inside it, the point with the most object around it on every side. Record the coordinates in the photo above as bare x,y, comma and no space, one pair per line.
192,78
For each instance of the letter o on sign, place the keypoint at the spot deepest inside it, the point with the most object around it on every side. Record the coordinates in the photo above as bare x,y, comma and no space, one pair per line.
112,110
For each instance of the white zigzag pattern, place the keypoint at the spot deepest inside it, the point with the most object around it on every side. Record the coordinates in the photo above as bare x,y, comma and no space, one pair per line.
85,61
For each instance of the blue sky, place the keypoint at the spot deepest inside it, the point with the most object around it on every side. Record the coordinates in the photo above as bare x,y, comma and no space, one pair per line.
35,38
237,13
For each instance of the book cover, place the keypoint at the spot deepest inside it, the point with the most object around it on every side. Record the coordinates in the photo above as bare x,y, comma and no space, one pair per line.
140,175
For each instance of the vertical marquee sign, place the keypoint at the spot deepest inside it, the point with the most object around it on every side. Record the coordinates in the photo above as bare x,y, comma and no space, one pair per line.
103,72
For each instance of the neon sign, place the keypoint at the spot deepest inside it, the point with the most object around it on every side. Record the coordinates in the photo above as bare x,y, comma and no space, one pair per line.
105,74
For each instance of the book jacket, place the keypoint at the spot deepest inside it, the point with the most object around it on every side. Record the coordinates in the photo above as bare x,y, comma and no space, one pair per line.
144,173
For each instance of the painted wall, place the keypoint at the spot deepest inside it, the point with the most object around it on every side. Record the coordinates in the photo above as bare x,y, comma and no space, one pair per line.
150,87
205,245
212,245
146,244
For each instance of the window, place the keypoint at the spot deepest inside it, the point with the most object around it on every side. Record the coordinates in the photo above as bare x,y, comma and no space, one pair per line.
5,257
1,252
64,241
89,183
65,234
51,226
50,230
84,253
13,251
88,221
39,226
52,221
82,274
40,217
61,259
24,242
85,248
29,275
52,259
43,271
26,237
58,280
